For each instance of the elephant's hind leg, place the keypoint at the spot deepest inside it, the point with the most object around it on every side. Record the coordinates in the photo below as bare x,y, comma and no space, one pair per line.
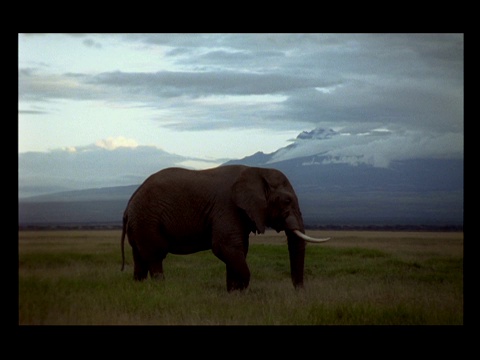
156,269
155,256
149,252
140,269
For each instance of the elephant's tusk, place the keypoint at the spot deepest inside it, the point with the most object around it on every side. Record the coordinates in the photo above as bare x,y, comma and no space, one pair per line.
308,238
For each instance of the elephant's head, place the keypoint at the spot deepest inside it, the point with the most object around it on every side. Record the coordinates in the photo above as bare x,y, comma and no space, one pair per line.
268,198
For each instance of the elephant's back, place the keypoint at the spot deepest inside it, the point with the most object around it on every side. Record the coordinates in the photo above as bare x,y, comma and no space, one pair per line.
178,184
177,187
195,180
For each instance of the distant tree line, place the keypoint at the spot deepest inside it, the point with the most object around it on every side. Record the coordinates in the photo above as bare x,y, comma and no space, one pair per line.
442,228
117,226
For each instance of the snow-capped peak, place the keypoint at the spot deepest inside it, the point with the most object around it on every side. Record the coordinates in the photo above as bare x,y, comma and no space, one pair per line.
307,143
317,134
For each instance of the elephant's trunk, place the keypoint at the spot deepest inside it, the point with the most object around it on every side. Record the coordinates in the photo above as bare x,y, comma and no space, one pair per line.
296,250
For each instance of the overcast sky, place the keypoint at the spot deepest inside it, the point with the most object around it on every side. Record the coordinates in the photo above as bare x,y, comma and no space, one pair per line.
217,96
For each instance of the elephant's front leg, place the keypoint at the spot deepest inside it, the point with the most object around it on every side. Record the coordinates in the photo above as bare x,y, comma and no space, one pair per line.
238,274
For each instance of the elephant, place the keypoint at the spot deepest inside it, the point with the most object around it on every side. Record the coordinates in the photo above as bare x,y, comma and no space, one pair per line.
181,211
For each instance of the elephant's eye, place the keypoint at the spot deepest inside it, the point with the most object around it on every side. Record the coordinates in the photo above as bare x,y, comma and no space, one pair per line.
283,200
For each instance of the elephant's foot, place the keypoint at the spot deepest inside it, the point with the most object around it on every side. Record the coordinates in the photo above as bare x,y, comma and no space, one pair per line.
140,275
157,276
156,270
236,290
238,274
236,285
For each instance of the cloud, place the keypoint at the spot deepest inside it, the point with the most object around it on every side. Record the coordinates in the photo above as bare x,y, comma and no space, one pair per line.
199,164
187,100
407,83
162,85
381,151
196,84
70,149
32,112
412,80
92,44
36,85
377,147
369,101
112,143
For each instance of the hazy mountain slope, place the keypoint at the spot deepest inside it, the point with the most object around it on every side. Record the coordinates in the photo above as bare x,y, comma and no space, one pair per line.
96,194
425,191
421,191
90,167
101,212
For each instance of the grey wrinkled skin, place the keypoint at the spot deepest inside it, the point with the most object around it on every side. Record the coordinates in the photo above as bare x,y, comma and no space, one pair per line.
183,211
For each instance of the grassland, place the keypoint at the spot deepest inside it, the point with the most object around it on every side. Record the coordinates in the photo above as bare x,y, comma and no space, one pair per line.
368,278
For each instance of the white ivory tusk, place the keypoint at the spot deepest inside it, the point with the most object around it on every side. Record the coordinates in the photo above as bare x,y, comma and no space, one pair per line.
308,238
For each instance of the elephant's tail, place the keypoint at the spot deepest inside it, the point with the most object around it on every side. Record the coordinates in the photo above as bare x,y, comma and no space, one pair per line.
124,231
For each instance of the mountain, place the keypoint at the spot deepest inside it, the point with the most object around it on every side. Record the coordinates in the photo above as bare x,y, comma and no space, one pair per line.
91,167
95,194
331,191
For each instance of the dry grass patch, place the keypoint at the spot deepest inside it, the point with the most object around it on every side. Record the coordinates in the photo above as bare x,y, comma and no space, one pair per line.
74,277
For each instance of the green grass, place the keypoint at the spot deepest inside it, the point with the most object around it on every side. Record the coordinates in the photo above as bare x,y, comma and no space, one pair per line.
74,277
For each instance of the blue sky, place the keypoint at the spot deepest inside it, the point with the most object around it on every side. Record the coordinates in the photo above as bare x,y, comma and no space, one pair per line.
212,97
78,90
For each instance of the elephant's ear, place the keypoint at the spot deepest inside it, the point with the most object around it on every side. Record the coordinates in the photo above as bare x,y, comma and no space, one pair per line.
248,193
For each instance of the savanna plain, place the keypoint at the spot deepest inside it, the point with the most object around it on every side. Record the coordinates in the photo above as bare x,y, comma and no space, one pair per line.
357,278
